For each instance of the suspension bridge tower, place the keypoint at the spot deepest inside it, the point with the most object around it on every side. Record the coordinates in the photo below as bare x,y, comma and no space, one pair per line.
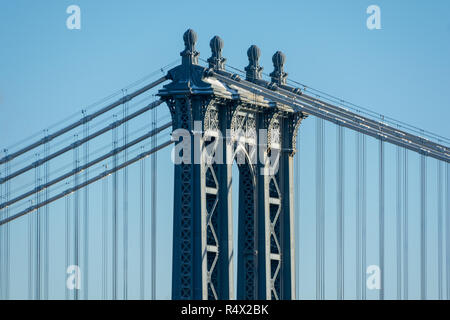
218,124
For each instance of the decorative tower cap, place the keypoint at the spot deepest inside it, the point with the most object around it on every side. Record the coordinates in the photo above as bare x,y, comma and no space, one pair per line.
189,54
216,61
278,75
253,69
253,54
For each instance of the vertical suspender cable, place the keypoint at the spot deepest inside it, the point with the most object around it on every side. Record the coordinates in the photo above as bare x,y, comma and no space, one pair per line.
37,235
439,227
125,201
114,222
319,209
85,277
381,217
360,205
105,237
5,241
153,217
405,224
2,247
142,230
297,217
76,212
340,211
363,215
317,212
7,259
447,228
46,224
30,254
322,209
67,222
398,232
423,230
358,215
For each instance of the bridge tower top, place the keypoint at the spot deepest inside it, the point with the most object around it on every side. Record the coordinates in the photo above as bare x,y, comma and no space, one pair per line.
190,78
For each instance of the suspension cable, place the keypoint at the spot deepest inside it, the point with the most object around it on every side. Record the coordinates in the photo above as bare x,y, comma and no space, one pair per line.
76,212
320,208
154,212
33,208
68,244
2,248
142,230
447,227
359,275
423,232
37,240
88,165
354,107
105,236
398,232
85,119
30,256
85,277
340,211
114,218
80,142
297,215
125,201
440,228
405,225
46,226
381,217
363,214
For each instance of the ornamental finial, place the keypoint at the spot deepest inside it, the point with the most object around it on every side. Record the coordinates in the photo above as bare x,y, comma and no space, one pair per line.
216,61
253,69
189,54
278,75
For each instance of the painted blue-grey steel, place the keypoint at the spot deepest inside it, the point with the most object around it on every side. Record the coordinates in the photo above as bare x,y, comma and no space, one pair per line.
203,215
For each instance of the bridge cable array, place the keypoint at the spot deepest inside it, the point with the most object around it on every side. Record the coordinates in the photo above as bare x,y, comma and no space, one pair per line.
320,211
39,231
360,215
340,188
76,219
85,277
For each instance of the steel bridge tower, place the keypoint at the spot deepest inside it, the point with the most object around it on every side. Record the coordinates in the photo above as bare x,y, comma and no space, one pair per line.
215,124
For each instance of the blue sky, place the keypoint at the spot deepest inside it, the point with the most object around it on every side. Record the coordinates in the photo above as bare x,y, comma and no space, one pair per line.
48,73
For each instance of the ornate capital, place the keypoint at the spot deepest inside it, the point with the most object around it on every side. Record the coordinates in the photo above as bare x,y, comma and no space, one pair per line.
273,130
294,125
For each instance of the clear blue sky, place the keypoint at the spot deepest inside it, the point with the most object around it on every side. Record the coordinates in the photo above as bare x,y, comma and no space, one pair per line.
48,72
